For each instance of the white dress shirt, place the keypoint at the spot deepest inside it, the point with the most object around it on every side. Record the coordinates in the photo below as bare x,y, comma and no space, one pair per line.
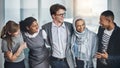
59,36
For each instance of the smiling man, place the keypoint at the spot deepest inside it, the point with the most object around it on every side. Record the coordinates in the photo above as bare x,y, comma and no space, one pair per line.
59,34
109,42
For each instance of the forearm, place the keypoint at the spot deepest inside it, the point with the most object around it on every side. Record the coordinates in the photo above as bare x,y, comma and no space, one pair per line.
12,57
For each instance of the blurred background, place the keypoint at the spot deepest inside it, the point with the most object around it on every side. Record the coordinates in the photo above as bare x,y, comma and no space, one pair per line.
90,10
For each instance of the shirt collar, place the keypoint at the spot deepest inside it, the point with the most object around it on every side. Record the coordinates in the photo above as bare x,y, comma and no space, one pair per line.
54,25
31,36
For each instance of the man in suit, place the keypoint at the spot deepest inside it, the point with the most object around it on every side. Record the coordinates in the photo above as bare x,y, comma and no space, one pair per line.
59,35
109,42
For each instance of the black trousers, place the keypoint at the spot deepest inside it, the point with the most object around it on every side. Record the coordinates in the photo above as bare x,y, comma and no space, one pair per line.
58,63
14,64
80,63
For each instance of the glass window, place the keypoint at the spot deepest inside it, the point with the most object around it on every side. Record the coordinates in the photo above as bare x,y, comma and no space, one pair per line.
90,10
12,10
19,9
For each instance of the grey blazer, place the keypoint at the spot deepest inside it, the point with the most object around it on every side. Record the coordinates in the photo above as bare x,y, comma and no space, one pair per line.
48,27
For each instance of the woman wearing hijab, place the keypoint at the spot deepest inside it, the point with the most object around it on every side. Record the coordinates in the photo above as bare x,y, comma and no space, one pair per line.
83,45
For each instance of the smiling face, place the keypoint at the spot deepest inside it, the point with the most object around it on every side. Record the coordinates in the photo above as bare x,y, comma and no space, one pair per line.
80,25
104,21
16,33
33,28
59,16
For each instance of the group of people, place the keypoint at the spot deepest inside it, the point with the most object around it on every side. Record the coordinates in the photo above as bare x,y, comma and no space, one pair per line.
60,44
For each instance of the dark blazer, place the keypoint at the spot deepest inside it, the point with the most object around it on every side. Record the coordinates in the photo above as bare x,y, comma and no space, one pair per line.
113,49
48,28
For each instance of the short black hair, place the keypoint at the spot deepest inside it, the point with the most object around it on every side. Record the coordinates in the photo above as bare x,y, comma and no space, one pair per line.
108,13
55,7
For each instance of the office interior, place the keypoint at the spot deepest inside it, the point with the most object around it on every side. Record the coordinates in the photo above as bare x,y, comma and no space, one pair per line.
90,10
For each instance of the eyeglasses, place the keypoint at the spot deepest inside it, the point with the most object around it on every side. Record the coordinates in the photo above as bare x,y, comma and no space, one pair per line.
62,14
